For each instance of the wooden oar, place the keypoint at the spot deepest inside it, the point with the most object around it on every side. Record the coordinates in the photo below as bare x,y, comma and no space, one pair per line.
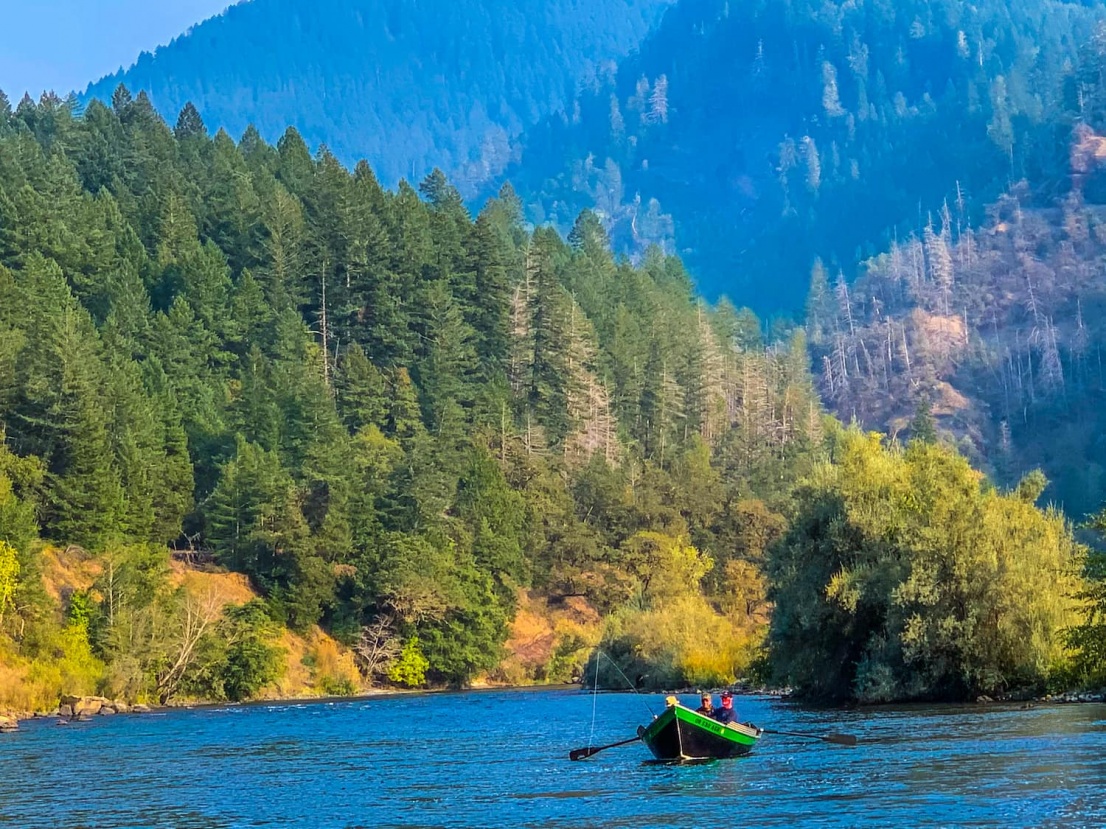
581,753
839,739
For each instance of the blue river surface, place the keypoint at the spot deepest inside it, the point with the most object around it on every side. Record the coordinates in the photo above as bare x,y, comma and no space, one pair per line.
500,758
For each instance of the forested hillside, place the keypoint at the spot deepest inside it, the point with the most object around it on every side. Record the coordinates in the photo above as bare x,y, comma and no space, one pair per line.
390,416
410,86
755,137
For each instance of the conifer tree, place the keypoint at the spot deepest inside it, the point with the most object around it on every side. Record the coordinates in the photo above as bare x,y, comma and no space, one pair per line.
189,123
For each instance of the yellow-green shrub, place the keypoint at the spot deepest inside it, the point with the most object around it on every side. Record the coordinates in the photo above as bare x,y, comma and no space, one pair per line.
66,665
903,576
681,643
410,669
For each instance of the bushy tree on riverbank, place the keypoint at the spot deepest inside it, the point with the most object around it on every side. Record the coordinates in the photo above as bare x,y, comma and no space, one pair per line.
904,575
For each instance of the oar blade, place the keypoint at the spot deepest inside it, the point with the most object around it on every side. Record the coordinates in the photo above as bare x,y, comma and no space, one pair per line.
839,739
581,753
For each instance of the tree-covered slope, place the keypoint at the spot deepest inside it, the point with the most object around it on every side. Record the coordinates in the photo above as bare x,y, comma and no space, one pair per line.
407,85
391,416
757,136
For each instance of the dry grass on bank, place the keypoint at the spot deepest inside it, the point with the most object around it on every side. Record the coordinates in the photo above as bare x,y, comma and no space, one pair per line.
548,641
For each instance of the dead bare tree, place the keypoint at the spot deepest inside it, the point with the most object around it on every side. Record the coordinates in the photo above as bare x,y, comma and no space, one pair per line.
378,647
199,614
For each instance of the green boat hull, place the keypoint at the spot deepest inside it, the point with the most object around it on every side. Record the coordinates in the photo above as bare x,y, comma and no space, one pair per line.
681,734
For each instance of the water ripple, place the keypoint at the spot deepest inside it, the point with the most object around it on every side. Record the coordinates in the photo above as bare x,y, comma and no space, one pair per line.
500,759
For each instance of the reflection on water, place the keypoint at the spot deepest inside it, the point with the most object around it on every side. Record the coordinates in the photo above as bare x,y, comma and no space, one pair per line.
500,759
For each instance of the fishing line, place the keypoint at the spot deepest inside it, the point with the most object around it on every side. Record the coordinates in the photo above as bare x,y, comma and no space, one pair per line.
595,692
640,696
594,697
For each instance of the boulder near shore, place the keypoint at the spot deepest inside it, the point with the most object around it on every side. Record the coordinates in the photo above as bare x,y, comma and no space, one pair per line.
81,708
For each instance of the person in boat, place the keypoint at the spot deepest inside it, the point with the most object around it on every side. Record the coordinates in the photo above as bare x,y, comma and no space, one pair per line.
707,706
726,714
670,701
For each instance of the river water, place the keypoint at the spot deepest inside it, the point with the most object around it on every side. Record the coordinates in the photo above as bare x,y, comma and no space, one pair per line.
499,758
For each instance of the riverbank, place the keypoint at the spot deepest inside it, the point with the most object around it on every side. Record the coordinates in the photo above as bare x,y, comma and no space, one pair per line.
1026,700
92,707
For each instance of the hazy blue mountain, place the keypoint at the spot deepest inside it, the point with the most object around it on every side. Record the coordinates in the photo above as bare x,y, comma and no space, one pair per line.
757,136
407,84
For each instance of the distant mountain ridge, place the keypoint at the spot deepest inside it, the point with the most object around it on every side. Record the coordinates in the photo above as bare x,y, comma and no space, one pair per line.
752,138
408,85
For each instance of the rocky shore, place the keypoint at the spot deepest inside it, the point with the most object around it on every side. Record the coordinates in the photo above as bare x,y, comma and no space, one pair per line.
83,708
73,708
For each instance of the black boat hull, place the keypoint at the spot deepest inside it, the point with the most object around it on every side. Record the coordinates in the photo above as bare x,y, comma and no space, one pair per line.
681,734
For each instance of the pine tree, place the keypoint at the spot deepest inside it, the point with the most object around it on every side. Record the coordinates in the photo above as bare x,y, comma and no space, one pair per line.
658,102
61,414
923,427
549,311
705,405
662,405
362,399
491,312
247,510
831,101
820,312
447,360
813,164
592,427
189,123
121,100
283,264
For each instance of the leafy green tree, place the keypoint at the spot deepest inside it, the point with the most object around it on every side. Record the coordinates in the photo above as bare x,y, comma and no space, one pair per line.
468,638
251,662
20,479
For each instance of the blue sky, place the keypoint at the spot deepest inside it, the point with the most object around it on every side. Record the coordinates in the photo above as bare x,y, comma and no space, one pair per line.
65,44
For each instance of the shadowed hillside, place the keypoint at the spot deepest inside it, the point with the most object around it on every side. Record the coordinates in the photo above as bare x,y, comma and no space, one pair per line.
753,137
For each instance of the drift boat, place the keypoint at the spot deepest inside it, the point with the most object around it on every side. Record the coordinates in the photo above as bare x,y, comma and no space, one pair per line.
681,734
